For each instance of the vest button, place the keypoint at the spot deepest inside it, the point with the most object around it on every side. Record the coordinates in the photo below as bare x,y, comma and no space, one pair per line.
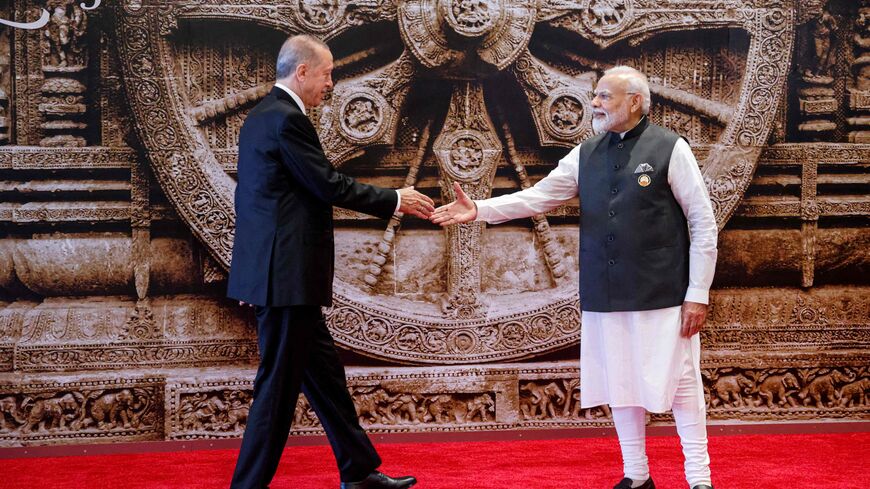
614,190
620,145
610,238
611,213
616,167
611,262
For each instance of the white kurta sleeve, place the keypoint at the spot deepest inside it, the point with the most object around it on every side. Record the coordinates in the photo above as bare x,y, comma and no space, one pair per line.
688,187
550,192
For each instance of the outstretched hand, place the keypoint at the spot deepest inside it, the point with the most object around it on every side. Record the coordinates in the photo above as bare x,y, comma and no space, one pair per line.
415,203
460,210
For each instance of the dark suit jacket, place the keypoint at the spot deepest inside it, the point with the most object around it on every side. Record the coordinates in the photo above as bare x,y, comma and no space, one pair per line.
283,253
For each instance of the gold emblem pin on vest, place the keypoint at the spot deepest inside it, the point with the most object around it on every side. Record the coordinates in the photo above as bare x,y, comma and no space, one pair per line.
643,180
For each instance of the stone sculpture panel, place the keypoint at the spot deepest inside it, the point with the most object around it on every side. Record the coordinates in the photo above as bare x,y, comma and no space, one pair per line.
118,138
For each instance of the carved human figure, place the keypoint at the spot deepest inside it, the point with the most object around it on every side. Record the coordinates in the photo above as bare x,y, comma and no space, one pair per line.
855,394
53,413
823,32
472,13
61,44
823,389
115,408
319,12
10,417
729,390
566,114
778,390
466,154
361,115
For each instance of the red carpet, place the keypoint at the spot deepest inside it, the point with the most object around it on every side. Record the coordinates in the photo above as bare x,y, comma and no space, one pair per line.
838,461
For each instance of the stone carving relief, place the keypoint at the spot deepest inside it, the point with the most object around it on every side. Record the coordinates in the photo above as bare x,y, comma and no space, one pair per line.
859,96
82,410
833,390
378,406
556,400
453,41
100,277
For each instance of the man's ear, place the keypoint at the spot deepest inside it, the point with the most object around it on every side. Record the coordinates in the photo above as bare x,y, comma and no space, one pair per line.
638,100
301,71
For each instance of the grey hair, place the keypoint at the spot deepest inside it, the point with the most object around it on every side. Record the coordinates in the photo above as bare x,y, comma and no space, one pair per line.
297,50
636,81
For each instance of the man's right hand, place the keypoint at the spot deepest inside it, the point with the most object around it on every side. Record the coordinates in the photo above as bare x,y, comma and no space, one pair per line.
460,210
415,203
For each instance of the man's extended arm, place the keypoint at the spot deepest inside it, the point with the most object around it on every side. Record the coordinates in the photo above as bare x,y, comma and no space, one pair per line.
688,187
550,192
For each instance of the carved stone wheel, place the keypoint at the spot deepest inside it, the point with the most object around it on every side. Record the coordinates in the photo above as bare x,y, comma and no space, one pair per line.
189,97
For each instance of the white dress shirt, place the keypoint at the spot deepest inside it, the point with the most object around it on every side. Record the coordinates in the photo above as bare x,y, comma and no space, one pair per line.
632,358
686,183
301,105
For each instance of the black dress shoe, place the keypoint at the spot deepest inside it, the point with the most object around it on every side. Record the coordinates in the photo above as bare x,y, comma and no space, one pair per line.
702,486
626,484
377,480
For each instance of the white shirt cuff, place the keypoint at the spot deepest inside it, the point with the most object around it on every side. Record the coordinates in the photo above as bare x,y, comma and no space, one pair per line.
398,201
701,296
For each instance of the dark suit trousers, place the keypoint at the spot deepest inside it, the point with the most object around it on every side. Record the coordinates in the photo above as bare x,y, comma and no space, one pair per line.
297,353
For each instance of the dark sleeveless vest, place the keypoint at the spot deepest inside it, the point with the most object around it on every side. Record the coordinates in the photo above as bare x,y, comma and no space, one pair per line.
634,238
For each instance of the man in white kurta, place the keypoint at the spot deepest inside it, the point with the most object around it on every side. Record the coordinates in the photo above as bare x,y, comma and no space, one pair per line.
633,360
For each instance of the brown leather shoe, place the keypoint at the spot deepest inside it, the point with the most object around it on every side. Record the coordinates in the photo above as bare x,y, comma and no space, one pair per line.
626,484
377,480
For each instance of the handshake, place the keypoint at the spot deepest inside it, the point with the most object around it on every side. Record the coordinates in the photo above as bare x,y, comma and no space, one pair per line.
460,210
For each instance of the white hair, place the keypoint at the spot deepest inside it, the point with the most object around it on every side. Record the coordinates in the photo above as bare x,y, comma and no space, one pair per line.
297,50
636,81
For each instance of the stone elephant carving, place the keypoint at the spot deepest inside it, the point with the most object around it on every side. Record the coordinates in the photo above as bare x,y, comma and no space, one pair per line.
823,389
116,409
479,406
10,417
728,390
440,408
541,399
855,394
778,390
371,405
53,413
405,408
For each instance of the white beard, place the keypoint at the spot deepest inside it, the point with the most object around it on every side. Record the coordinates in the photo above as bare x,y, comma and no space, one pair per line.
610,119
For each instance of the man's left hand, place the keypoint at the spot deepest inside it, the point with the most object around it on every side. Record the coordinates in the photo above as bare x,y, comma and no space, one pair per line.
694,314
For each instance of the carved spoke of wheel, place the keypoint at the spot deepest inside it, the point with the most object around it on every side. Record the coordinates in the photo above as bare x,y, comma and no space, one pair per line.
467,151
364,111
561,105
385,247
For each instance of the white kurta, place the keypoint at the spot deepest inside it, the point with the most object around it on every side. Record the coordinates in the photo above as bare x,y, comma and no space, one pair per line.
631,358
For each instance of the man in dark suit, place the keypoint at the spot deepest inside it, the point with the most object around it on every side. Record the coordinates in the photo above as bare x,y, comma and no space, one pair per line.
283,265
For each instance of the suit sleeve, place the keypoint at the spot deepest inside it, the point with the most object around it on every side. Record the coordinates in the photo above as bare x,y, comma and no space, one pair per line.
303,156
